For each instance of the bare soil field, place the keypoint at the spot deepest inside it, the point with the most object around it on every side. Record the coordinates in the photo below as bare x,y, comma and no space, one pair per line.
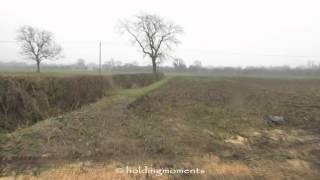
220,125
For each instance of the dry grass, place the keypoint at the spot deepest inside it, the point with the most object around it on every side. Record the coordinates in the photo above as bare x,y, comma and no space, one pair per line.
25,100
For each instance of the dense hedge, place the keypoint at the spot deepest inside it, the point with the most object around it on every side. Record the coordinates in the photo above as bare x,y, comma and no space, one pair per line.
25,100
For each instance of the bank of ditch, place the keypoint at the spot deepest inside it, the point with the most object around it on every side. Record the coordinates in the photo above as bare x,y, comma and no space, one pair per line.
25,100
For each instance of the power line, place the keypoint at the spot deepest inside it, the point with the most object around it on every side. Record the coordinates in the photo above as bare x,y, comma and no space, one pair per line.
70,42
200,51
8,41
248,54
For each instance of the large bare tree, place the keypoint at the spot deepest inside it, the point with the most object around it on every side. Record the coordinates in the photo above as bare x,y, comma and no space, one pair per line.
153,35
38,45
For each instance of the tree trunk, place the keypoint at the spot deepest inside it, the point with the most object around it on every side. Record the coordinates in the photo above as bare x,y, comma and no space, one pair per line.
38,66
154,65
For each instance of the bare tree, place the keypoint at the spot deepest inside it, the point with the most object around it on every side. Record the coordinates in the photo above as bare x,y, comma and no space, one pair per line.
196,66
153,35
179,64
197,63
38,45
81,64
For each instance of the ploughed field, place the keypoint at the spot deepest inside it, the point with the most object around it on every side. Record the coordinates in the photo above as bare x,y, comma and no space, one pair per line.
233,128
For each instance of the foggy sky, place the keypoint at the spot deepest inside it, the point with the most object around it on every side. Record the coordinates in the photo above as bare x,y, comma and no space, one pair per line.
219,33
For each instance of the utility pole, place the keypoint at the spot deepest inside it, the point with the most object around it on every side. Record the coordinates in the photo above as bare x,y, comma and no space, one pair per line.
100,57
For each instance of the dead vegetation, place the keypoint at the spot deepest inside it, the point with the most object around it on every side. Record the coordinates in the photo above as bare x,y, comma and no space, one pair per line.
214,124
26,100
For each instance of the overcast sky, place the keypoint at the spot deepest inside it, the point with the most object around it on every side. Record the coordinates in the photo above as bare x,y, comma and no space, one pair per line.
219,33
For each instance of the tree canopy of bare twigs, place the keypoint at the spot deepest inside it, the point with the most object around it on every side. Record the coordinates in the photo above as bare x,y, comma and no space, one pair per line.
155,36
179,64
38,45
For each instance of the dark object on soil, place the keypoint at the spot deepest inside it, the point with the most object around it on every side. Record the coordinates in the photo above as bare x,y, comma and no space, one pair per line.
275,120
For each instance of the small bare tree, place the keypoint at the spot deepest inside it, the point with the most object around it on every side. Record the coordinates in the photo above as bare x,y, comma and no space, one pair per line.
153,35
179,64
81,64
38,45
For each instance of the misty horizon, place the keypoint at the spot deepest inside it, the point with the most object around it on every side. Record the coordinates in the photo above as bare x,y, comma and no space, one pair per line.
229,33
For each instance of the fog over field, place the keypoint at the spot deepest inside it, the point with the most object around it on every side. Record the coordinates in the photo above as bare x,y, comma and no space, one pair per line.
219,33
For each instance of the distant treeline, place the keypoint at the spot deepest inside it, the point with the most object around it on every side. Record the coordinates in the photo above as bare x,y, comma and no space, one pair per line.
119,67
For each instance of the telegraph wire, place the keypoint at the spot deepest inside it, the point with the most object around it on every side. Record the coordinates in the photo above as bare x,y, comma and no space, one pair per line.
187,50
